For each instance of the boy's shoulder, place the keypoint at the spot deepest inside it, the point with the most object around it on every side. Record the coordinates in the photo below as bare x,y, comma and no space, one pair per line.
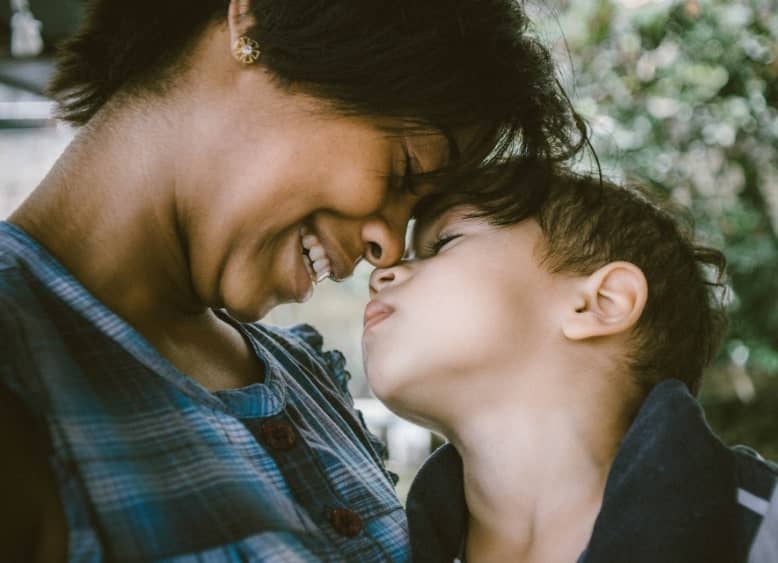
757,496
756,477
750,457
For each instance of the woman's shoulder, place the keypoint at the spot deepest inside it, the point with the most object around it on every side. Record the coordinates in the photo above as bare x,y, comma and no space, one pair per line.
23,313
21,290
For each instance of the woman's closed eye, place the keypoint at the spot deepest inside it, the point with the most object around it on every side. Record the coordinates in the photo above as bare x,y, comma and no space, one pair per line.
408,180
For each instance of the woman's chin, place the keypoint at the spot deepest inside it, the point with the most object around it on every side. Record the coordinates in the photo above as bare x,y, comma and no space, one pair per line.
249,310
242,315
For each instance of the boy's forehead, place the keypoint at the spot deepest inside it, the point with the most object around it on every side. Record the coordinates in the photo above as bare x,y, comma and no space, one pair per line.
425,227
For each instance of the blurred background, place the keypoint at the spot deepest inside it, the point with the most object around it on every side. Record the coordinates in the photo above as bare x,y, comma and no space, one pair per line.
680,95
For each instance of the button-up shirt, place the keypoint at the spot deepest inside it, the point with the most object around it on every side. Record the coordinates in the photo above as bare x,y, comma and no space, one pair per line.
152,466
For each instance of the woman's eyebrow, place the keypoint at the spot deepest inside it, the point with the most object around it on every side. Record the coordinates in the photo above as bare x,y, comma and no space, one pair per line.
453,147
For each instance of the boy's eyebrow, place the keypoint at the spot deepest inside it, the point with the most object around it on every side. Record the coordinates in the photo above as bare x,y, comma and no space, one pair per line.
437,219
412,250
420,228
425,226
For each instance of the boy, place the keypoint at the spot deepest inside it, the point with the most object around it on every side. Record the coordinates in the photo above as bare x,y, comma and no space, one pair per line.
555,329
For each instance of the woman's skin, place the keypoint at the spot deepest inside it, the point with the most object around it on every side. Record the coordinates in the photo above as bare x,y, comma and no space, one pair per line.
166,206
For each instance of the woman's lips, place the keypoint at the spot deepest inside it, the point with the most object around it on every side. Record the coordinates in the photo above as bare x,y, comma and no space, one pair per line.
375,312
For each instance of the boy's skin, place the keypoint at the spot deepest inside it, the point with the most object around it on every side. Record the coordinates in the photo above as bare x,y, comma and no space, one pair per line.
520,368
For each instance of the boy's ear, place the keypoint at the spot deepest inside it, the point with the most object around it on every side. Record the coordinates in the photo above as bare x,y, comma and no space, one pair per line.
609,301
240,19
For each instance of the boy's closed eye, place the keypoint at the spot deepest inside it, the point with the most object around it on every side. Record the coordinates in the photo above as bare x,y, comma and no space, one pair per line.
436,245
431,235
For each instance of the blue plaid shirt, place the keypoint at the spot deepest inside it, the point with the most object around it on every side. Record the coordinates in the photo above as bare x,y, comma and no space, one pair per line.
152,466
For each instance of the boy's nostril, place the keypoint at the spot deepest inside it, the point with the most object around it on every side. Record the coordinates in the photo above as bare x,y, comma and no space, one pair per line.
375,250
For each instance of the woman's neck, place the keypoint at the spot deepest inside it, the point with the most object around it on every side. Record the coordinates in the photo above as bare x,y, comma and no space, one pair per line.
112,224
535,467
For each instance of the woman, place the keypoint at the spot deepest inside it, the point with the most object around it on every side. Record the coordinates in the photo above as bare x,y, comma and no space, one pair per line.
229,154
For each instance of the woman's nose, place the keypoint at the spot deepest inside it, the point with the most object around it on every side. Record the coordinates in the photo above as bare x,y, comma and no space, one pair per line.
384,234
384,243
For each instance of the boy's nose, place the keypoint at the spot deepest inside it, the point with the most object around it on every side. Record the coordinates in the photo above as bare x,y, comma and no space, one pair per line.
381,278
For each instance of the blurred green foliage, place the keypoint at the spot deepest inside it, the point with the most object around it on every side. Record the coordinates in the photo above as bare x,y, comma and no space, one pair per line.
683,96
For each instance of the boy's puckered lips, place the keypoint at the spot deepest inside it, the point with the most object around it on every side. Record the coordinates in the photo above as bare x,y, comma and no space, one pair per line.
375,312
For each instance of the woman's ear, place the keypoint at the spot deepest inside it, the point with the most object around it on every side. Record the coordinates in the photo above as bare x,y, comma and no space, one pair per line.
609,301
240,19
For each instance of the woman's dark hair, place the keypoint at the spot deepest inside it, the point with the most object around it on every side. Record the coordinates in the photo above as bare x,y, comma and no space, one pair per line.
588,222
447,64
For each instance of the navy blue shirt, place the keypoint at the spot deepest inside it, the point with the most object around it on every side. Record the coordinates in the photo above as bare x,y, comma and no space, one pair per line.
675,494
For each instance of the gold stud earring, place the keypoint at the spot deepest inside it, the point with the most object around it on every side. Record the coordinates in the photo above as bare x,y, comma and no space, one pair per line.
246,50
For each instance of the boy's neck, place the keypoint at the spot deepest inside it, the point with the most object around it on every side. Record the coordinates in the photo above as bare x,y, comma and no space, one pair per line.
536,460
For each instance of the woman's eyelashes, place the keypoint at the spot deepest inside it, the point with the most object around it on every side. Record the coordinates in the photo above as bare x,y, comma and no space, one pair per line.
408,183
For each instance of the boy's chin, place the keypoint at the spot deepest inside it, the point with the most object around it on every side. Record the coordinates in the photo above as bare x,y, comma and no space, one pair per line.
403,398
388,390
384,390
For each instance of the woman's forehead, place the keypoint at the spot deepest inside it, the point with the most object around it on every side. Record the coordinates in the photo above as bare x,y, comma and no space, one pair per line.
441,142
430,149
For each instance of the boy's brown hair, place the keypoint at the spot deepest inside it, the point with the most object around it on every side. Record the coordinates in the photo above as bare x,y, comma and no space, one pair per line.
587,223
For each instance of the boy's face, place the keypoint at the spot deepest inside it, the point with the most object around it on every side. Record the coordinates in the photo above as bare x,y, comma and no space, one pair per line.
474,300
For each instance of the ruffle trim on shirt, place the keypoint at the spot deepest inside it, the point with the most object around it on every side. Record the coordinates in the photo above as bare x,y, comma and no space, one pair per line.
334,360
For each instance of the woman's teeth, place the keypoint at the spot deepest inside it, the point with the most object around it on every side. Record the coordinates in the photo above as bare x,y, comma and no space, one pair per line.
316,259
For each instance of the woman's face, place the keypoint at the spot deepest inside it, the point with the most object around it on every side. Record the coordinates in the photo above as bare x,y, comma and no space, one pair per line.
262,173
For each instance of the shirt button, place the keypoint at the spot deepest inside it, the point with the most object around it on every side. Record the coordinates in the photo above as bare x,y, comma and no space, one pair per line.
278,435
346,522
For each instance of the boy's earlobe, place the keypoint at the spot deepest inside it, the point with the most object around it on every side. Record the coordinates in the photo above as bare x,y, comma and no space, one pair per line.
610,301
